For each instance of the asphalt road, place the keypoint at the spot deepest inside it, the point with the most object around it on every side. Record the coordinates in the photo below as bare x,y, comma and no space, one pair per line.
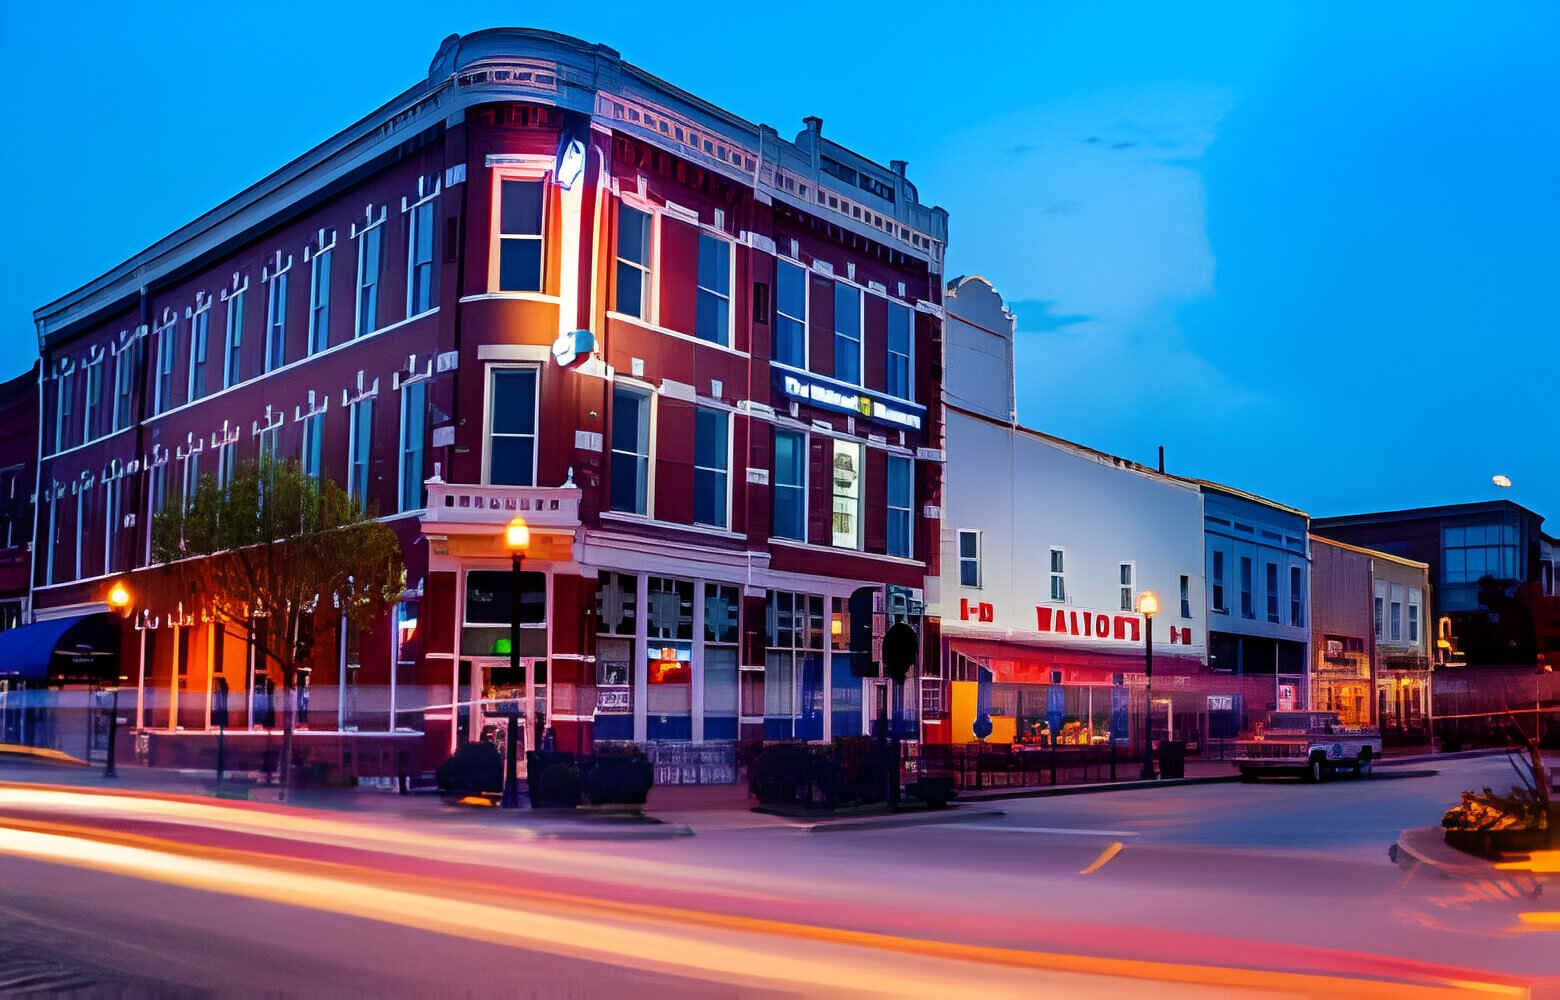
137,897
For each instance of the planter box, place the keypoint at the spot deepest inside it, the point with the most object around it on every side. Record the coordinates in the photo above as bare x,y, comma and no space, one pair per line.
1493,844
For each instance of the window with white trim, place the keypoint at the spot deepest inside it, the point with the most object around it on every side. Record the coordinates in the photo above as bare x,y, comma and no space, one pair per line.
313,444
790,314
520,221
124,381
847,333
369,246
790,485
93,404
233,360
1128,587
268,440
512,426
62,411
414,413
419,259
1395,614
1272,592
158,494
1058,575
899,495
162,394
1380,610
227,459
48,545
630,450
113,526
191,478
711,467
360,448
1415,612
969,558
199,324
712,319
319,294
899,351
276,323
846,490
633,262
1296,597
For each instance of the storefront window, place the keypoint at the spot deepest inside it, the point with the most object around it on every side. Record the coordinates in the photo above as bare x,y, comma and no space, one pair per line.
793,681
721,617
669,668
845,686
489,609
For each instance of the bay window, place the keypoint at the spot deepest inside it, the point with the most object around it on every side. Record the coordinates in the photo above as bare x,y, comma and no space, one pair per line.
512,427
633,262
520,235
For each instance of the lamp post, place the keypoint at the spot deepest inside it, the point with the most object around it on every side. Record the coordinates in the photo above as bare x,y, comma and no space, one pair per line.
1148,607
119,600
517,537
1538,718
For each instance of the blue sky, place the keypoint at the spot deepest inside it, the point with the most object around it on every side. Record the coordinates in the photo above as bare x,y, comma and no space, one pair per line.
1309,248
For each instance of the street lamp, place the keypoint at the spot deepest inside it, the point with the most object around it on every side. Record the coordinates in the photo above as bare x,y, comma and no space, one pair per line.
119,600
517,538
1538,718
1148,607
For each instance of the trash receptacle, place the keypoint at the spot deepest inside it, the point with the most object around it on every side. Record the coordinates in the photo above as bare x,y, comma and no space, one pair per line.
1172,759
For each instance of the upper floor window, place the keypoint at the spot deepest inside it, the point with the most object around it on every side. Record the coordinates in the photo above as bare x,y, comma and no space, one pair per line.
711,464
1186,596
232,363
319,298
712,320
520,236
360,449
414,400
1380,608
124,381
1395,614
313,445
62,411
630,449
1128,588
199,326
1218,583
276,324
368,281
1058,575
512,426
191,478
1247,609
1296,597
1472,552
113,525
227,461
633,262
93,404
419,260
1415,599
790,485
790,315
847,334
969,558
847,494
162,394
899,503
899,367
1272,592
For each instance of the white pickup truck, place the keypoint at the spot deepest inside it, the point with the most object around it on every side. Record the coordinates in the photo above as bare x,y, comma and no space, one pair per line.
1311,744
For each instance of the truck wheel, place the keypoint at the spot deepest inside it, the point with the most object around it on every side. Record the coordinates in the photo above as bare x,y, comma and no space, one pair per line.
1248,775
1364,765
1316,772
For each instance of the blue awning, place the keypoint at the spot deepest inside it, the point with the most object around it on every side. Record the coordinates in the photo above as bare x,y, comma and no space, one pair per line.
80,646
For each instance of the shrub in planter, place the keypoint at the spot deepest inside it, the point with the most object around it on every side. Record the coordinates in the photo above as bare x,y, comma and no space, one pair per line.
474,768
556,786
623,780
781,775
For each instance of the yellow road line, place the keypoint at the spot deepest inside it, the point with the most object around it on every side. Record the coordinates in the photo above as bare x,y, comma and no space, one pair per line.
1111,850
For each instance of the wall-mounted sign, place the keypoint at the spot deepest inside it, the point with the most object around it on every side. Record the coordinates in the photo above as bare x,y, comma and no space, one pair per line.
1221,703
1099,626
846,400
573,347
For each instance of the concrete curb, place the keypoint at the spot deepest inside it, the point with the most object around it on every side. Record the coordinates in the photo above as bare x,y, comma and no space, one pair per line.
1422,758
942,816
1424,845
1103,786
648,831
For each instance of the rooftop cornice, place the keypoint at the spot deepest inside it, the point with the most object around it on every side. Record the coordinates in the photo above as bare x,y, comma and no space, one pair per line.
484,67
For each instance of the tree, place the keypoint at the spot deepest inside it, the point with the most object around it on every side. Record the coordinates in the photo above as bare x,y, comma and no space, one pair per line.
276,556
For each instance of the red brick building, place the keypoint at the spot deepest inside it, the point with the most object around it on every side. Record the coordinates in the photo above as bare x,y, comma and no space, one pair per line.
745,429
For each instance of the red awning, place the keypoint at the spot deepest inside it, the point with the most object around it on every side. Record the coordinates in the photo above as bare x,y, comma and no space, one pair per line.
1032,663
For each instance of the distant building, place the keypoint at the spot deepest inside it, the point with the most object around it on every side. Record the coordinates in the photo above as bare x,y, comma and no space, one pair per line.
1480,556
1258,571
1342,676
1401,622
1047,547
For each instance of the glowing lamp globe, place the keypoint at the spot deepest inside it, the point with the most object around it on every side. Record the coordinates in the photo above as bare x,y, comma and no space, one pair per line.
119,596
517,536
1148,604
